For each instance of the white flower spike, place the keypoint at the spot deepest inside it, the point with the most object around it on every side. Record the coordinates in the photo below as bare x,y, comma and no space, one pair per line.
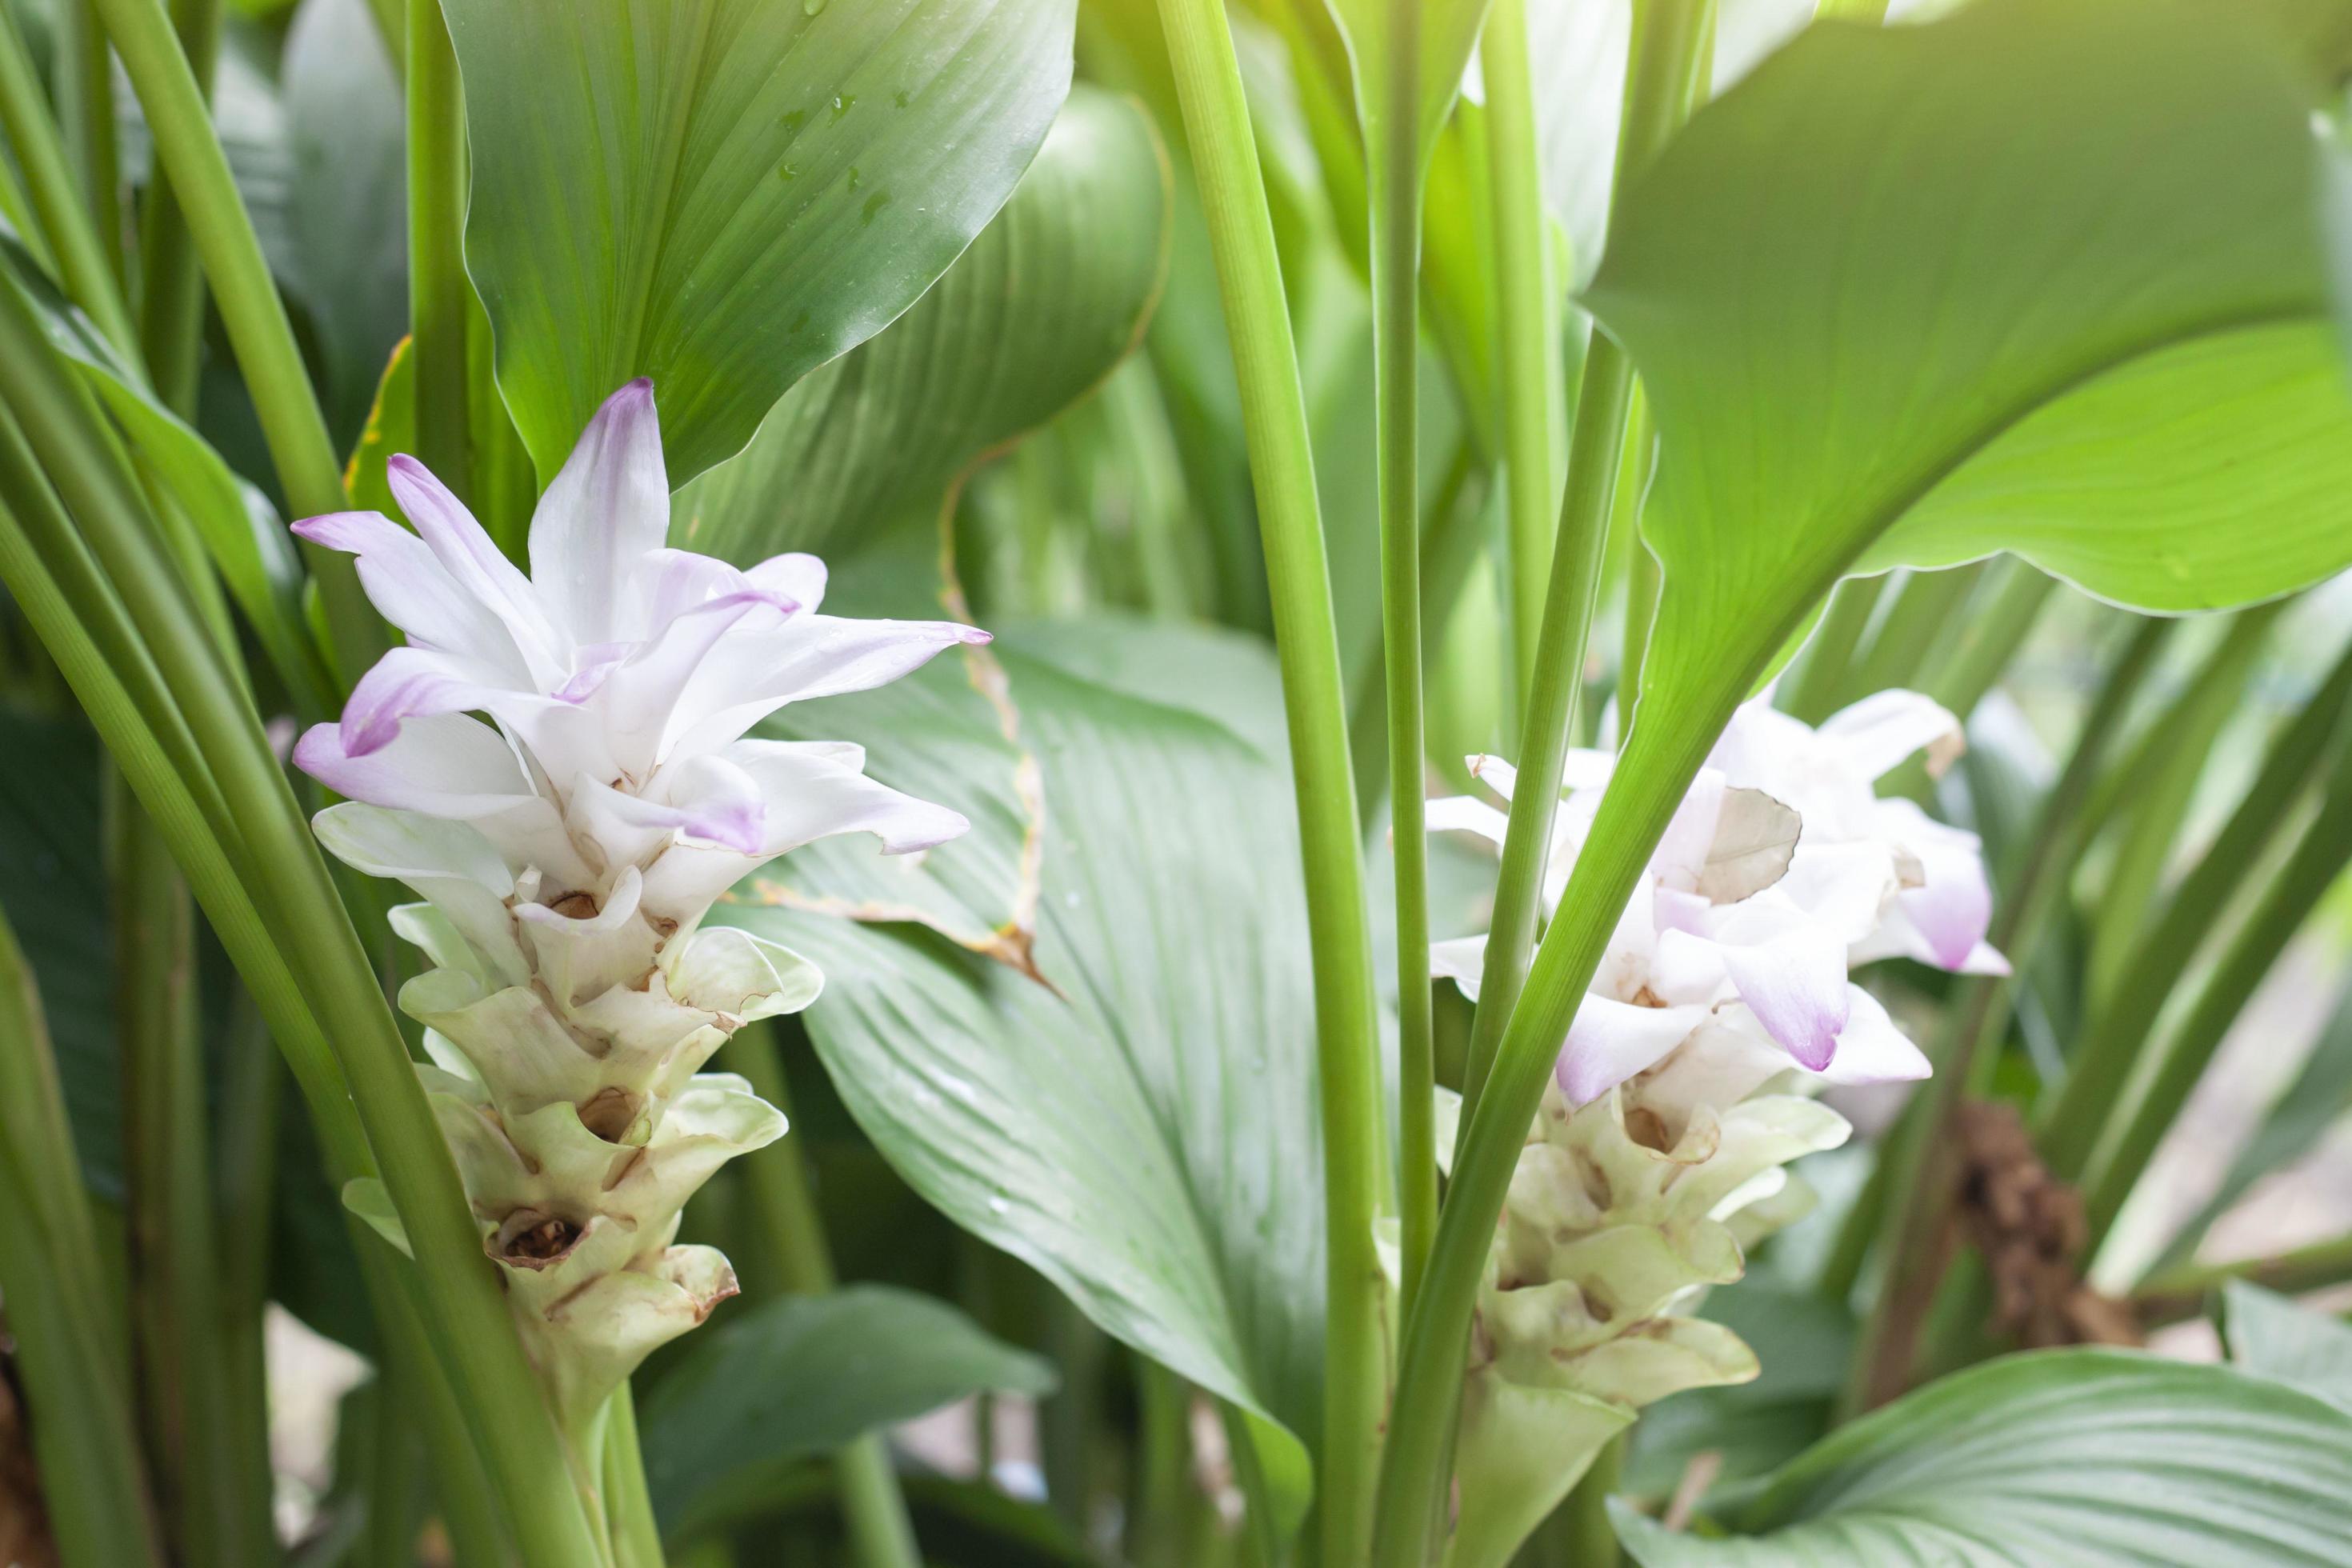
569,849
1680,1094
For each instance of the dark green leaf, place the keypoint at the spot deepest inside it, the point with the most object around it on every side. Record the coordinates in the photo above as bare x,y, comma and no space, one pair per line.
723,195
802,1375
2090,1458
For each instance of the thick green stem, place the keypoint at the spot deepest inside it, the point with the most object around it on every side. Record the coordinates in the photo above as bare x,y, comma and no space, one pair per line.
440,300
1394,159
84,1431
2154,1101
1274,415
783,1206
83,270
1641,575
245,1185
1526,350
1812,690
282,875
171,283
85,84
628,1505
1664,78
183,1380
1661,757
2071,1122
1911,1219
292,424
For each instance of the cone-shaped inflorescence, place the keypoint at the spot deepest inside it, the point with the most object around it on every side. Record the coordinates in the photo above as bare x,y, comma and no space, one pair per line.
1684,1087
567,849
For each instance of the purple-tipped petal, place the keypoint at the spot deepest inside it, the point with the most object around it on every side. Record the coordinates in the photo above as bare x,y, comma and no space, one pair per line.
749,675
405,683
607,509
473,563
443,766
1612,1041
1796,986
411,586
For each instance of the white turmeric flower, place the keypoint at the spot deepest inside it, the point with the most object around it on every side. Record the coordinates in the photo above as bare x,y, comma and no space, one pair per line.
1682,1090
569,849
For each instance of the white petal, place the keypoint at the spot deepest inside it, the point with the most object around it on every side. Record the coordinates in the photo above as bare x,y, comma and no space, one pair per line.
1885,728
1755,836
1796,986
1871,1049
446,861
606,509
798,577
1462,959
1461,814
478,567
443,765
411,587
759,669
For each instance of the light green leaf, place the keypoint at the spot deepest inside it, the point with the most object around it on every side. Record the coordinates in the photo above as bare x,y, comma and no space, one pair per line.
1447,32
723,195
252,550
2272,1336
1143,1133
2091,1458
1927,289
1054,294
799,1376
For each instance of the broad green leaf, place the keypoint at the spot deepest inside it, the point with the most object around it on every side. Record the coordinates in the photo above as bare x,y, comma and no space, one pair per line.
2091,1458
247,544
858,462
1054,294
2272,1336
1912,295
1141,1127
346,203
1446,31
723,195
802,1375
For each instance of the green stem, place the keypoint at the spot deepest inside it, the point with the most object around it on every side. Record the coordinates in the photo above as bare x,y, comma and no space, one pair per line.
183,1380
1991,637
2183,1292
82,269
291,421
1274,414
2165,1083
1911,1220
2162,788
1813,688
395,1481
628,1505
1526,352
246,1189
2070,1123
287,882
84,1434
1664,78
783,1206
171,284
440,300
85,83
1913,627
1660,760
1394,159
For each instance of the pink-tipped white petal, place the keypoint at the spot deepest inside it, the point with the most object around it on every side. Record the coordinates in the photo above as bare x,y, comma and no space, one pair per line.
473,563
411,587
443,766
1611,1042
1871,1049
1796,986
607,508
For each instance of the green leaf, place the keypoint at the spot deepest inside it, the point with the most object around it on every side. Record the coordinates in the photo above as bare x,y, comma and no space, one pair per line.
2272,1336
1141,1129
1054,294
803,1375
2091,1458
1447,31
346,205
1912,295
723,195
252,550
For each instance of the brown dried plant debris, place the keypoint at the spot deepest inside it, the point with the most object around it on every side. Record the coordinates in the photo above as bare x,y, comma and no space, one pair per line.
2030,1229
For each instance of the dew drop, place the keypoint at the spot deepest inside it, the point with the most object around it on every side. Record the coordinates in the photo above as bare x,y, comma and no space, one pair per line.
875,203
856,179
786,171
904,97
842,102
794,121
811,7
